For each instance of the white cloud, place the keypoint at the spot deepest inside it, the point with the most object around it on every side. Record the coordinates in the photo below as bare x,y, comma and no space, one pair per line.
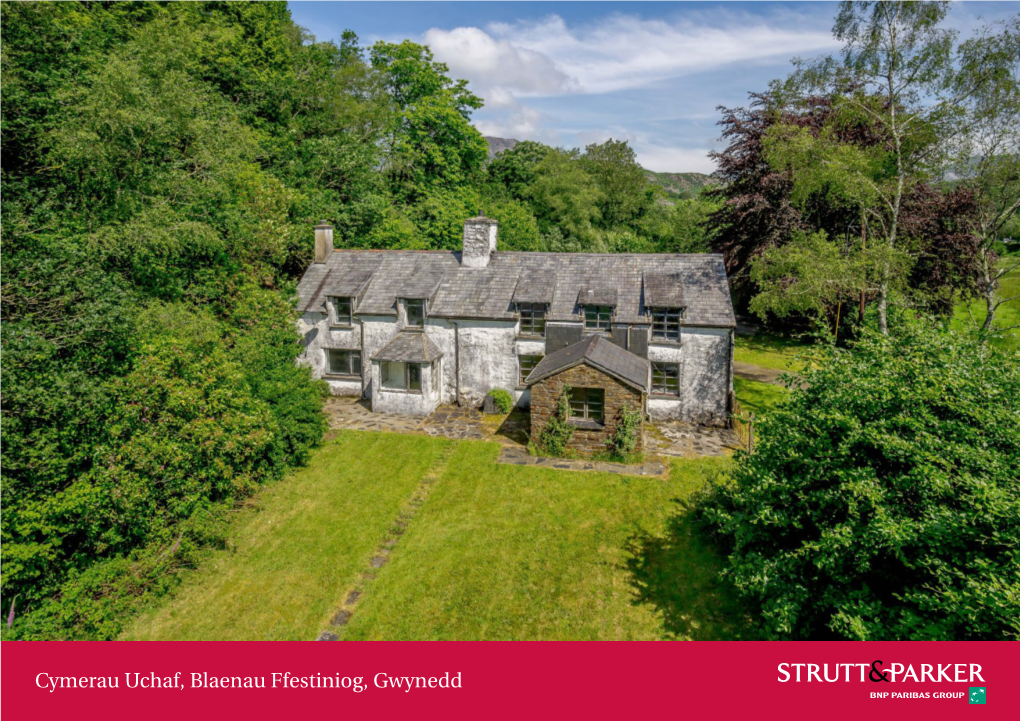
664,159
508,63
497,65
586,137
623,51
523,123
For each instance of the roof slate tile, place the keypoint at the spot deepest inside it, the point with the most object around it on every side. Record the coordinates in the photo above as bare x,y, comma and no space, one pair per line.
513,277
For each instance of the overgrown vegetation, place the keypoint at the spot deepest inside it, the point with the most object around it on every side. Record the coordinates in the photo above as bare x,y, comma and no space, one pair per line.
502,400
628,429
554,440
163,164
882,500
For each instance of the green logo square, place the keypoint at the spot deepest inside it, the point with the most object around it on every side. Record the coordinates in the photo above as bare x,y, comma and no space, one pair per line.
977,694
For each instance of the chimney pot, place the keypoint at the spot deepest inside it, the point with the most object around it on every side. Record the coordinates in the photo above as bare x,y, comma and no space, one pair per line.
323,242
479,241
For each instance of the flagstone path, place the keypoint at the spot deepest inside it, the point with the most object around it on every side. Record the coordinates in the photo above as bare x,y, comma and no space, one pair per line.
668,439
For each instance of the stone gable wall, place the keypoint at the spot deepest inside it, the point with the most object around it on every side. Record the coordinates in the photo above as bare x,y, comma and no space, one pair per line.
546,393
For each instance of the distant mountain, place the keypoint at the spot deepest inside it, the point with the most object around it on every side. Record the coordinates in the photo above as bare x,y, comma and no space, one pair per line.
680,185
676,185
498,145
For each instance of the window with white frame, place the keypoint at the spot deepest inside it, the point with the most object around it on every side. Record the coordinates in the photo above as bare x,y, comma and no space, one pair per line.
587,404
666,379
344,362
341,309
666,323
396,376
415,311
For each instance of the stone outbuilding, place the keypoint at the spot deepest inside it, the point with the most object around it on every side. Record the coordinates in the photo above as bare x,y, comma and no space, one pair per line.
603,380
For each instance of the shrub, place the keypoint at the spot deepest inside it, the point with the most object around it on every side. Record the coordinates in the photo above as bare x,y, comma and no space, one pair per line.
624,440
503,401
883,501
555,437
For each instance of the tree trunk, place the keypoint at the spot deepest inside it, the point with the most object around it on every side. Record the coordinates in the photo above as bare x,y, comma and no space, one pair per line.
989,293
883,305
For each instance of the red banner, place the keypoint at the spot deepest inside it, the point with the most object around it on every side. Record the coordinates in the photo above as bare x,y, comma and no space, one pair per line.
510,680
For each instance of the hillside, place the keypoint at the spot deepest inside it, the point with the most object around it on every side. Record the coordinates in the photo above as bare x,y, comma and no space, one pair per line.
498,145
680,185
676,185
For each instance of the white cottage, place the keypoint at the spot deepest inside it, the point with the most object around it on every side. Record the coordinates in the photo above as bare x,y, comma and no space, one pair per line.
411,330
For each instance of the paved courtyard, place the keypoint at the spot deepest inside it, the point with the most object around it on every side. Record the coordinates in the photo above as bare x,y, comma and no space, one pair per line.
670,439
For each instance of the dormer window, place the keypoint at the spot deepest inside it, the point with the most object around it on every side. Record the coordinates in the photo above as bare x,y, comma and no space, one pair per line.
596,317
532,318
414,309
666,323
340,309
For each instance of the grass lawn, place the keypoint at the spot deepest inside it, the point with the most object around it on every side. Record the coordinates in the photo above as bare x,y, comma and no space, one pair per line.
495,552
1007,315
294,554
757,397
769,351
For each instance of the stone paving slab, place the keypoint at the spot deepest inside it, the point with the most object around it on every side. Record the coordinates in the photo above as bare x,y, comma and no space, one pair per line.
670,439
521,457
685,440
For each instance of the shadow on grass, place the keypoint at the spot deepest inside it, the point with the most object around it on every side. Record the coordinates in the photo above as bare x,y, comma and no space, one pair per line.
516,426
677,573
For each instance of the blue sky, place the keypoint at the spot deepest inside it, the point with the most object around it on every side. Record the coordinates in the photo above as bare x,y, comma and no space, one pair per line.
573,73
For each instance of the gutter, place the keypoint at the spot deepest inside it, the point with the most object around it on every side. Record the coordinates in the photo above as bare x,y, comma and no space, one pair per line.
456,360
361,324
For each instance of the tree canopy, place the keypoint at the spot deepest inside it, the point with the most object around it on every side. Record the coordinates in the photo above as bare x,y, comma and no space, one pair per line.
882,500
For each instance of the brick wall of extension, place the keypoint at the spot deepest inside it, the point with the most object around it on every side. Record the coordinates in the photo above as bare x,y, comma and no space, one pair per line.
586,440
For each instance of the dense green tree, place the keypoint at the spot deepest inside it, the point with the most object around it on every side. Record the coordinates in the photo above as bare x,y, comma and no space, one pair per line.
882,501
626,193
432,144
563,196
149,240
515,169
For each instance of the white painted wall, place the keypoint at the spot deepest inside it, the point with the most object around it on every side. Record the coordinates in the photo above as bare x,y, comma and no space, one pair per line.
488,359
409,403
704,356
318,337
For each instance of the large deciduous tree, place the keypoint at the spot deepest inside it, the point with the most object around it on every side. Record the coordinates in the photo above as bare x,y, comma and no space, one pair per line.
432,144
988,162
897,71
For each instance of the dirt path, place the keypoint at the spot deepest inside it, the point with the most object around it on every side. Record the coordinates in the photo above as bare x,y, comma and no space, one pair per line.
757,373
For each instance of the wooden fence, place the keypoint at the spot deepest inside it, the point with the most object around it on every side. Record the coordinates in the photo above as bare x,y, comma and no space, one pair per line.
742,423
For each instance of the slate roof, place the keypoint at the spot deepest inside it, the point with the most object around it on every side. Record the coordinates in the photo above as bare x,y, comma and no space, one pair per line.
601,293
475,293
511,277
664,290
597,351
409,346
340,282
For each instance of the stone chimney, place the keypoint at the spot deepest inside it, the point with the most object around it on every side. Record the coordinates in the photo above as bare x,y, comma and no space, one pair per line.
479,241
323,241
